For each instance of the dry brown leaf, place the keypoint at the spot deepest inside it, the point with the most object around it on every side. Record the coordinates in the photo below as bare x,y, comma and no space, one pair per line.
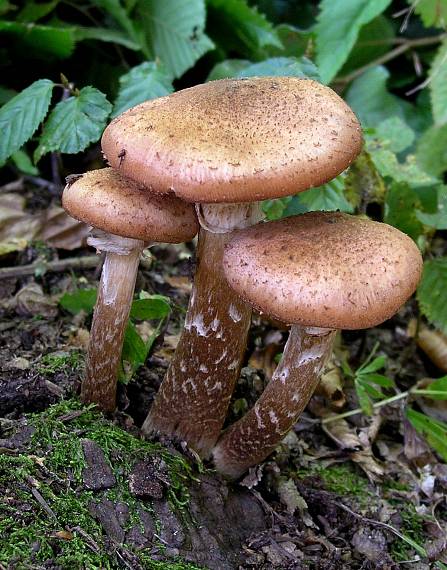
61,230
179,282
366,460
15,222
31,300
343,434
432,342
331,384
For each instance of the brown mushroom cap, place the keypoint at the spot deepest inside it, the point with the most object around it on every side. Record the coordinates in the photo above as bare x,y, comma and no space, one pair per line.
236,140
324,269
106,200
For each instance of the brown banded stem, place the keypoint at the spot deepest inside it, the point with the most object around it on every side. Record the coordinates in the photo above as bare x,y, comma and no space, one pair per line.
251,439
193,399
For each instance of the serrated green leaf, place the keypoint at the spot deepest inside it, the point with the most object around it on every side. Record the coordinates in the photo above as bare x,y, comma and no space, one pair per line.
337,30
401,203
173,31
372,102
227,68
21,115
432,292
328,197
431,151
153,307
438,85
438,219
74,123
395,134
237,26
143,82
434,431
23,163
282,66
432,12
44,40
81,300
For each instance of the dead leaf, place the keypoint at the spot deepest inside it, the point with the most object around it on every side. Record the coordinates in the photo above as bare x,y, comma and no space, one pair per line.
293,501
331,384
31,300
432,342
343,434
179,282
15,222
61,230
63,535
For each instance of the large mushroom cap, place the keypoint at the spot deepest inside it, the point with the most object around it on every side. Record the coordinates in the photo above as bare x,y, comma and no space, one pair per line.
324,269
236,140
110,202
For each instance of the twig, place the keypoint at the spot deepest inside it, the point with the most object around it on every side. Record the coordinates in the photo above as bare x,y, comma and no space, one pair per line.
86,262
399,50
359,410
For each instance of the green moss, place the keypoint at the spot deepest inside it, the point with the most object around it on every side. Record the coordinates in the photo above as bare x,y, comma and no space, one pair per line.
29,534
60,362
342,479
412,527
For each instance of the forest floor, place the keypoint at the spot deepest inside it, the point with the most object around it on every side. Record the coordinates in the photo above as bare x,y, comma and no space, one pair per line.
80,490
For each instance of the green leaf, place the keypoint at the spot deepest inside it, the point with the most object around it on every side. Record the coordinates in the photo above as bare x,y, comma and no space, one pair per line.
371,101
45,40
21,115
395,134
434,431
275,209
328,197
153,307
105,35
438,85
6,94
431,151
282,66
378,379
143,82
227,68
172,30
295,42
364,400
74,123
432,12
401,203
236,26
375,364
23,163
337,30
432,292
119,14
134,348
33,11
81,300
439,385
438,219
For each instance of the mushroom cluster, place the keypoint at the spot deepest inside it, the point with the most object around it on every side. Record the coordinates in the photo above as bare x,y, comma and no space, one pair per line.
222,147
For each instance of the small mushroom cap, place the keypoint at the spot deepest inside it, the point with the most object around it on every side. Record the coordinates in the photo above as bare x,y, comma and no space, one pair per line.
106,200
236,140
324,269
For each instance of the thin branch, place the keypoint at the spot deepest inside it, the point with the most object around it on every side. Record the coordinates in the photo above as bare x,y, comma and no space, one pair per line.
86,262
396,52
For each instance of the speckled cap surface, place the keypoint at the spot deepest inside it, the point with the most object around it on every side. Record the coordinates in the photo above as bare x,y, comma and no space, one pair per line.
106,200
324,269
236,140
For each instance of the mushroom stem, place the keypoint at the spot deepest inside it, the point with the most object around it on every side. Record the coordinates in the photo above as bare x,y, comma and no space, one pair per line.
252,438
112,309
193,398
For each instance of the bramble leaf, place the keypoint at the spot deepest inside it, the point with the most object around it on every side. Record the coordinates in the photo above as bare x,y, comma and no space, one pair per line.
338,26
143,82
21,115
432,292
438,85
74,123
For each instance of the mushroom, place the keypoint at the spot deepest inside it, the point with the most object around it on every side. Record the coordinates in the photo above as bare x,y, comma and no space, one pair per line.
225,145
320,272
124,218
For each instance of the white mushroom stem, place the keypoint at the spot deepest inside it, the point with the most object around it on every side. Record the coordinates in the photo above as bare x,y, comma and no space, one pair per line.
112,309
193,399
252,438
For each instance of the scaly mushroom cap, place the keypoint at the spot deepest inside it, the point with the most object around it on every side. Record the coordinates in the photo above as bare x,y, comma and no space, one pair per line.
236,140
106,200
324,269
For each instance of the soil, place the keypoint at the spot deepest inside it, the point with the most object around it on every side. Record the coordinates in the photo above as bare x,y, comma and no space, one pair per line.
85,491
